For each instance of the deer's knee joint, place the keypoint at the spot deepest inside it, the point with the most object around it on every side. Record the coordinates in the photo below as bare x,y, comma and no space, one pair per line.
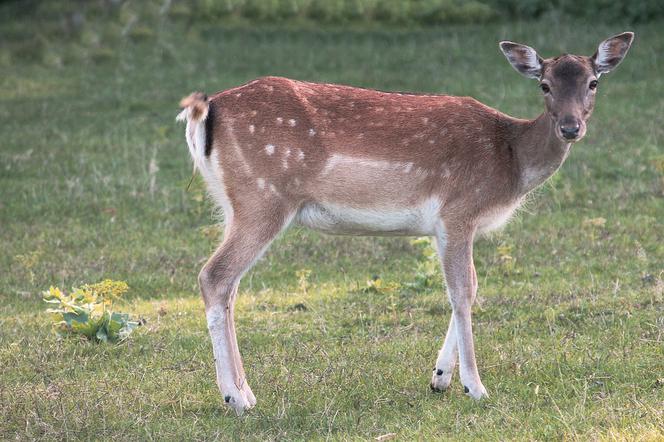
216,285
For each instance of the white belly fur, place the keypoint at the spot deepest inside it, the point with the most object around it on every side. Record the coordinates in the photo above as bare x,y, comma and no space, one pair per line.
343,220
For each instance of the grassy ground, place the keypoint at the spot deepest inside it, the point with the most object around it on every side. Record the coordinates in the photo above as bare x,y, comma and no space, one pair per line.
569,324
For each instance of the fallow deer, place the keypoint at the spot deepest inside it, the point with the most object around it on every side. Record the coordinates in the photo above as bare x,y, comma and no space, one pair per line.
346,160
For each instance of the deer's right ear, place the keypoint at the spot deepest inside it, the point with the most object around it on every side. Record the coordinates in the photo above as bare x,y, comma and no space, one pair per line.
523,58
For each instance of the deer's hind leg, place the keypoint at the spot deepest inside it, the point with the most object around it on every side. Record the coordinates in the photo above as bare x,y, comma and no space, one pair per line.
246,237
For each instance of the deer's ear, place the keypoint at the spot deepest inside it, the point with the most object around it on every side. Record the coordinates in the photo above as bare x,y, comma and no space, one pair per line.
611,52
523,58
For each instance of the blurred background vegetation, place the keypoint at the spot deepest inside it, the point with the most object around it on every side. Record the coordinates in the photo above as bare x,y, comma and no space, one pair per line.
97,24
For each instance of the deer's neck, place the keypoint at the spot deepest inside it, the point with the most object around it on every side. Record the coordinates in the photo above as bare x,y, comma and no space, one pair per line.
539,152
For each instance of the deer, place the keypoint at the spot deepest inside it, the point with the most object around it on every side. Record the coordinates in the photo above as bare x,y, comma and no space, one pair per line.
352,161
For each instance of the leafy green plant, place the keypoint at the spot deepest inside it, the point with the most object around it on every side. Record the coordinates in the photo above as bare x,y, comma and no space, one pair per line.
88,311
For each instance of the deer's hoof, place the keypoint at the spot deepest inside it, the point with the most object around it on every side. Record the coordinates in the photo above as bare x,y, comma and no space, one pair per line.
240,400
440,381
477,392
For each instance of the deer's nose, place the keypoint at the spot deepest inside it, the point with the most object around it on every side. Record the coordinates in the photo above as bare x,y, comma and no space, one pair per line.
570,130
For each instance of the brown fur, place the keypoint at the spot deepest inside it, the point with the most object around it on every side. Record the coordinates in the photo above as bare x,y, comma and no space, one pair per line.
453,143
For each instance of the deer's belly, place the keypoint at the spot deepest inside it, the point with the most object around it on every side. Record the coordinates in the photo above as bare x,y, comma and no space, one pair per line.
346,220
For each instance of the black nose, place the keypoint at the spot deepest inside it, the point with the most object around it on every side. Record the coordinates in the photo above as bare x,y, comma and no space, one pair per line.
570,130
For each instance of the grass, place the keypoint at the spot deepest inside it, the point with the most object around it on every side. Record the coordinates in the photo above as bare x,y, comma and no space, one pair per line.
569,331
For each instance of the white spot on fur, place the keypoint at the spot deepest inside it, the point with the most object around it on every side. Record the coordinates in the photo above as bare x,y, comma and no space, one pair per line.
407,167
300,155
292,122
260,182
284,160
425,120
252,128
269,149
312,132
280,121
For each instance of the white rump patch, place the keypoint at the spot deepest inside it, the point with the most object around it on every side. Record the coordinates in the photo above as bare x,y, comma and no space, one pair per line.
182,116
209,167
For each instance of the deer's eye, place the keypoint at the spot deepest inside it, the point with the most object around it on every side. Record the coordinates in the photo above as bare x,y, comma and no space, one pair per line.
593,85
545,88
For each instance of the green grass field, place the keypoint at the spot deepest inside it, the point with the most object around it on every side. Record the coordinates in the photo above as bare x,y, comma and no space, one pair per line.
569,323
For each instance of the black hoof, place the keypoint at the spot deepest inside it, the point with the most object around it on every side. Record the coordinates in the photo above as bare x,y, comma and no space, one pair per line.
465,389
227,399
439,372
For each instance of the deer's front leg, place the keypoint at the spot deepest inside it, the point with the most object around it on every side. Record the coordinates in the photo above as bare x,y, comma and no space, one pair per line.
462,288
446,361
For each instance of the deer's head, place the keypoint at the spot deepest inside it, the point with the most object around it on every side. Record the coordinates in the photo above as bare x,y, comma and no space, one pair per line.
569,82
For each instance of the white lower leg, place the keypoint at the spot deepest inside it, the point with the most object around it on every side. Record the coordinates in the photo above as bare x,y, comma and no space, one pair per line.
468,373
446,361
236,396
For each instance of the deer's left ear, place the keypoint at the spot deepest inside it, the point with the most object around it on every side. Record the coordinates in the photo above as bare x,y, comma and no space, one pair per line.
611,52
523,58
